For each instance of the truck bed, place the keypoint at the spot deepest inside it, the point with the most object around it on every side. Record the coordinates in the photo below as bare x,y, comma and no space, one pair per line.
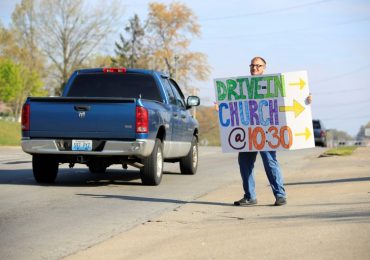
87,118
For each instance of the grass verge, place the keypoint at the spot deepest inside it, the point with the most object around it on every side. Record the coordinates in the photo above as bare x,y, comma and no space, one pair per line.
344,150
10,133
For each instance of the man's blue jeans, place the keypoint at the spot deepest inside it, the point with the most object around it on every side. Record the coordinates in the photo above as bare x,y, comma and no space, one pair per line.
246,164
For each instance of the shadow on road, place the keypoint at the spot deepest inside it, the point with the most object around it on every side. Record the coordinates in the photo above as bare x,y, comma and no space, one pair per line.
157,200
340,215
77,177
16,162
329,181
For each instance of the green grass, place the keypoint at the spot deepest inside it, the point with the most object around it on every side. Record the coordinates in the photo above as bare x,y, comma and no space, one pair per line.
345,150
10,133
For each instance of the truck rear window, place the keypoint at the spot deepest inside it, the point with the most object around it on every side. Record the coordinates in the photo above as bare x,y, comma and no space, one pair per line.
114,85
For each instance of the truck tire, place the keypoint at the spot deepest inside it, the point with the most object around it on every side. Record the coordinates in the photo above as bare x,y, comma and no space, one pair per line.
45,168
151,173
189,163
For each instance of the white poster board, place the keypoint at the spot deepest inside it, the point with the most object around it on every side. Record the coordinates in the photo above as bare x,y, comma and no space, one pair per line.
367,131
265,112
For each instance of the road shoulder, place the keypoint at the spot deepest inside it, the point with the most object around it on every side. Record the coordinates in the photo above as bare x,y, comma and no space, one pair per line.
327,216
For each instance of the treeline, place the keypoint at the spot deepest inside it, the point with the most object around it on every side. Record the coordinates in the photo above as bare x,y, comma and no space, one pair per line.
208,126
362,132
48,39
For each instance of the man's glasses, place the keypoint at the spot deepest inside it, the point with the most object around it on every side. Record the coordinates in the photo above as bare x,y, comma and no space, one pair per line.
256,66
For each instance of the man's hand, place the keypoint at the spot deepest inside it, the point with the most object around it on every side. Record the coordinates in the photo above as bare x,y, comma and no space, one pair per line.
215,105
309,99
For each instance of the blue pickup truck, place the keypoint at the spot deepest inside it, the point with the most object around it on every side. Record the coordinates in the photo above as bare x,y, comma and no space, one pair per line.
109,116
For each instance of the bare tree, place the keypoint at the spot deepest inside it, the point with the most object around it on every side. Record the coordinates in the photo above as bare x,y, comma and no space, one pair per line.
8,44
24,28
70,31
20,58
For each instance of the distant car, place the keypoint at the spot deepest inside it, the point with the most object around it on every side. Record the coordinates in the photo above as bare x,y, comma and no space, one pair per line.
319,133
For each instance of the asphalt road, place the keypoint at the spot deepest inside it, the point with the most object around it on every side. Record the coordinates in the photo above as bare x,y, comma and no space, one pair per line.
83,209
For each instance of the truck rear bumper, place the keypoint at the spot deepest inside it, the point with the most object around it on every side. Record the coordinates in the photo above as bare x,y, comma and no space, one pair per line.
140,147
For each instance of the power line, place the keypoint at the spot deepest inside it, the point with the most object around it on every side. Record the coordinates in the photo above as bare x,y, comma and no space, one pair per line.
290,30
343,74
339,91
347,104
265,12
349,117
346,113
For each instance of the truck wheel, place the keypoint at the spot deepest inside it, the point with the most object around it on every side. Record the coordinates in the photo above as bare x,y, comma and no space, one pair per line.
97,167
45,168
189,163
151,173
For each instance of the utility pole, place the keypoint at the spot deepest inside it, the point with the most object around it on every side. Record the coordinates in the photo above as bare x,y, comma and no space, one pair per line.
176,58
195,91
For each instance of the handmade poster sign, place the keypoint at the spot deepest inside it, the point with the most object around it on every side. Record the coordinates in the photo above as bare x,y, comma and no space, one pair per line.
264,112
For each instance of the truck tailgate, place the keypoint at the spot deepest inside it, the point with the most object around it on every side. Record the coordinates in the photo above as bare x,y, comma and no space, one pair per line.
86,118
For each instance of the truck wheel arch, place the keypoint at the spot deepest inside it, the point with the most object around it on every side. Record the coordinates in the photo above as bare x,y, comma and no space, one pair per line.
161,134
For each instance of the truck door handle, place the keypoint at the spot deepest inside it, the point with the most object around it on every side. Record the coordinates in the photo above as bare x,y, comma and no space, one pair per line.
174,114
82,108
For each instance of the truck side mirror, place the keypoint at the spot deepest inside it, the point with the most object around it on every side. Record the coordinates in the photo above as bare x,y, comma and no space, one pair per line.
192,101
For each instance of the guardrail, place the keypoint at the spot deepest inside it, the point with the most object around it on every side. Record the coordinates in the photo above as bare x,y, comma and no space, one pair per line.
350,143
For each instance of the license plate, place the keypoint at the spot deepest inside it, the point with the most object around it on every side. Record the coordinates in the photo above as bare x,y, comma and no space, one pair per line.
81,145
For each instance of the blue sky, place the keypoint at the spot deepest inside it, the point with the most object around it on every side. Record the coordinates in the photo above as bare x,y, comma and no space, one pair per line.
330,39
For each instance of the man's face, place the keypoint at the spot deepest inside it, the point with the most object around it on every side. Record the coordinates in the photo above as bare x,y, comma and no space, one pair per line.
257,67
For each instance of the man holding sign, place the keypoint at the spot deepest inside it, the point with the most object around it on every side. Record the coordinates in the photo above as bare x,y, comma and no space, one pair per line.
251,121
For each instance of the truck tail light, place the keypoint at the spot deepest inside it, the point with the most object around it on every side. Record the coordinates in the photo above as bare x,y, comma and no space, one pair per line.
121,70
26,117
142,120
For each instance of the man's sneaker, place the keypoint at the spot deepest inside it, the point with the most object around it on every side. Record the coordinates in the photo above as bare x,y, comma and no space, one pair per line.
280,201
245,202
